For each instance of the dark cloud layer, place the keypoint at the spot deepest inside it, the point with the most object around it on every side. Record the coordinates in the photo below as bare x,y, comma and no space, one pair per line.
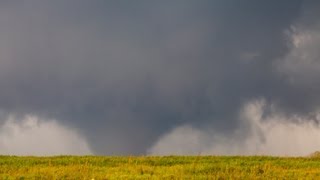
124,73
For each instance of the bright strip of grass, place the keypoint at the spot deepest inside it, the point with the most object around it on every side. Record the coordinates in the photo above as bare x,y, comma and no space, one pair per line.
167,167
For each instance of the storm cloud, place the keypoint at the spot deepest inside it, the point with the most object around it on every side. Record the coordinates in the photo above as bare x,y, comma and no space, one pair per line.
124,74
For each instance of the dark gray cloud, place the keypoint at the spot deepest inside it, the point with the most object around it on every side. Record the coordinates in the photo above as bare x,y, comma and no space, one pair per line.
124,73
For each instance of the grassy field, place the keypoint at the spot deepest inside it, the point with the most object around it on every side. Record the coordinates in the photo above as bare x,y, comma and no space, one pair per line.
170,167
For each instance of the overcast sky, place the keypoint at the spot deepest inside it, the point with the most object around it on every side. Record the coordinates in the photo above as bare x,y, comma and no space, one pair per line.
159,77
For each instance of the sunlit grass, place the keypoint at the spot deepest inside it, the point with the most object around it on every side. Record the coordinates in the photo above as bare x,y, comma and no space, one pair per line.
169,167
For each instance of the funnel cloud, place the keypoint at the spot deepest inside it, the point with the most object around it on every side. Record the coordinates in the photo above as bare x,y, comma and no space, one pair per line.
135,77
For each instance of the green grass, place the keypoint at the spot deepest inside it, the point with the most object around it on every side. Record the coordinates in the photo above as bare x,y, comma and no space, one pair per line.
169,167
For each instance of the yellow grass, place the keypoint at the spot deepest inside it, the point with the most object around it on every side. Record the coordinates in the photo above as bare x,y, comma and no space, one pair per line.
170,167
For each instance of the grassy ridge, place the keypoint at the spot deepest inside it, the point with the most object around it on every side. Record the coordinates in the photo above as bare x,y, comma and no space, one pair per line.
170,167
